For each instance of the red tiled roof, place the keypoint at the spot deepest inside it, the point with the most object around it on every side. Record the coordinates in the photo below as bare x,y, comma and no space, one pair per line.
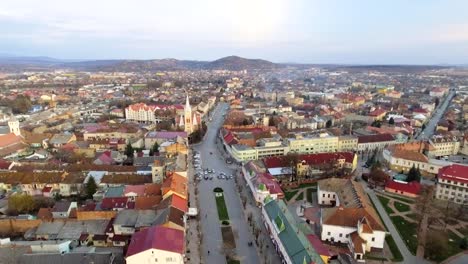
179,203
112,203
413,187
317,244
270,183
377,112
454,172
8,140
157,237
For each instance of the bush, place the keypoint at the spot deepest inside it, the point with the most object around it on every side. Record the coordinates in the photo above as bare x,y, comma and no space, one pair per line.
226,223
218,189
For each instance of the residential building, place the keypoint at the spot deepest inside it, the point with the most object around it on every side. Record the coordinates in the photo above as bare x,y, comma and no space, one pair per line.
156,245
452,184
375,142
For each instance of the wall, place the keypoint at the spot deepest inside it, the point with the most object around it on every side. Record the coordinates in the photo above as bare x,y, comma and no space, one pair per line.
92,215
8,226
335,232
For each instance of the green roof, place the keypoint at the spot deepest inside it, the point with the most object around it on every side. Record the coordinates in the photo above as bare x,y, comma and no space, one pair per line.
293,239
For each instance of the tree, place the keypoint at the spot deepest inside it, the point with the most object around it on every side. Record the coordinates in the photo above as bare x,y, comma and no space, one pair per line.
377,176
271,121
423,127
329,123
391,121
376,123
154,149
436,242
437,101
21,203
291,160
129,150
91,187
414,174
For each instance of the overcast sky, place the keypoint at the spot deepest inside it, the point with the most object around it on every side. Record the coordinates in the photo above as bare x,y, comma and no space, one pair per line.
309,31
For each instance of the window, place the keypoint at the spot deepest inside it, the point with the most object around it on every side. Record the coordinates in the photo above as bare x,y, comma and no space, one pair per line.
347,235
341,235
328,233
323,195
328,195
373,239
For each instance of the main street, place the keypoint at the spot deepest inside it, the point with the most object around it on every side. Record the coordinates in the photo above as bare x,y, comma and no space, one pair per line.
438,113
212,241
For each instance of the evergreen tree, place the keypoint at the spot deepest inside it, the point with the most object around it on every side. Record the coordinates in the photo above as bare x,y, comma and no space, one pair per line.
391,121
154,149
91,187
129,150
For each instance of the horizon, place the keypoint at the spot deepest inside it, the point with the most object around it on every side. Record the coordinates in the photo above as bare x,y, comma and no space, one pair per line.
69,60
305,32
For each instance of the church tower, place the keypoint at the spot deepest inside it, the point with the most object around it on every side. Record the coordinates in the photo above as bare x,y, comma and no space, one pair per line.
13,124
188,116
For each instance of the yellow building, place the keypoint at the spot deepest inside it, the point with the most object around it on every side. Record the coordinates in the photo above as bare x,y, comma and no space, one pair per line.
320,143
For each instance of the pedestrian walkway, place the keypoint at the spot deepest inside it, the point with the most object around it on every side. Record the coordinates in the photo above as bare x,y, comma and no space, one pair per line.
408,257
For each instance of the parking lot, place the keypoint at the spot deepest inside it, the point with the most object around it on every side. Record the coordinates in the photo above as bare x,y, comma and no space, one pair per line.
206,173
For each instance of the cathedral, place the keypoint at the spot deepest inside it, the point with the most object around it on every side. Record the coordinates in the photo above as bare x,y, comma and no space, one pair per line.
191,120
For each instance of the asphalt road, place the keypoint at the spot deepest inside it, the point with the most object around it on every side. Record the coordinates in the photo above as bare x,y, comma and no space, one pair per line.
432,124
212,239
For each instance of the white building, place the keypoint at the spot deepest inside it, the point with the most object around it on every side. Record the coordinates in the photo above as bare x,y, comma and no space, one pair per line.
352,220
452,184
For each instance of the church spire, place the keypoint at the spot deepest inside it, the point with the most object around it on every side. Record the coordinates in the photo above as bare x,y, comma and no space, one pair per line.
187,102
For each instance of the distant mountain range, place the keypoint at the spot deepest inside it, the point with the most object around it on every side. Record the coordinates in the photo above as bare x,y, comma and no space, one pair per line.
234,63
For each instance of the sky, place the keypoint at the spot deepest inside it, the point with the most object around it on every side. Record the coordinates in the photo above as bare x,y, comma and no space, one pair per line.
301,31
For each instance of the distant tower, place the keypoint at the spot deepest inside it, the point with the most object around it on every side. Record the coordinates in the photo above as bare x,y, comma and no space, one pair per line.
188,116
13,124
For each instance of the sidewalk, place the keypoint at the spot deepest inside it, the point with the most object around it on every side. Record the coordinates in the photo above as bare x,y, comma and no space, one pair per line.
192,236
263,243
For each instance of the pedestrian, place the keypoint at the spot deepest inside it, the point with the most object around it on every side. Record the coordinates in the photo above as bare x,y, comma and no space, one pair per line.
208,252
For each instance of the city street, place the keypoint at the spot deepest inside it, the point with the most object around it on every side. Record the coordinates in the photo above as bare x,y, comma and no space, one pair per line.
211,240
439,112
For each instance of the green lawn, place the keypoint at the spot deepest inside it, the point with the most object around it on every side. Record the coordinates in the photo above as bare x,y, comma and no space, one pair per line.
222,209
401,207
384,201
300,196
408,232
289,195
309,194
402,199
397,257
232,261
381,220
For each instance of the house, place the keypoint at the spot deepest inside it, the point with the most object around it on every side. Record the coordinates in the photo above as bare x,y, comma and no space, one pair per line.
11,144
156,244
72,184
115,203
58,140
133,191
410,189
352,220
289,241
62,209
176,183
